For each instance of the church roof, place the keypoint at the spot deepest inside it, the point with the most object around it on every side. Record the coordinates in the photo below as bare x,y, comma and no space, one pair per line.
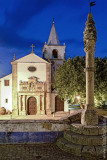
53,37
7,76
31,58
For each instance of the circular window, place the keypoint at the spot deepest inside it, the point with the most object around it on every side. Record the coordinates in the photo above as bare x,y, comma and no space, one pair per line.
32,68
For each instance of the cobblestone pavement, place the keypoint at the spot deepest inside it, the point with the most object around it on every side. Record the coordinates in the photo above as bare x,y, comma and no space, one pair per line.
57,116
34,152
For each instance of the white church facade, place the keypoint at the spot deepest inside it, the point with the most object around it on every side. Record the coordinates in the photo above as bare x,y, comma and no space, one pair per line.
28,89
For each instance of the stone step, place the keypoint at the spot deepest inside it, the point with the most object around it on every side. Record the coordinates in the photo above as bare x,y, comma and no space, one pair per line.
60,114
81,139
88,130
92,152
69,147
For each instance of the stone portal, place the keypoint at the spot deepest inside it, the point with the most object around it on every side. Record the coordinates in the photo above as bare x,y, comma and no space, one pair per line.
32,97
59,104
32,106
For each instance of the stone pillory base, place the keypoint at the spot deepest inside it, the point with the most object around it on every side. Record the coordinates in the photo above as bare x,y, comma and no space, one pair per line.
84,141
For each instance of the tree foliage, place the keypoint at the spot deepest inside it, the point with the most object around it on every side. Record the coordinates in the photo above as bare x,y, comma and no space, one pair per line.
70,79
100,80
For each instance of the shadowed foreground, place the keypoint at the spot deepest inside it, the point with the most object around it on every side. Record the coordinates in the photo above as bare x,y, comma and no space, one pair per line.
34,152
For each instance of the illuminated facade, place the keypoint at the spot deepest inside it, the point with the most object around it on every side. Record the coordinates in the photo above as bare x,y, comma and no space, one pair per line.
27,90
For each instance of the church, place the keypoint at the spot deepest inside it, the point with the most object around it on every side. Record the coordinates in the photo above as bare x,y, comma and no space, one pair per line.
28,90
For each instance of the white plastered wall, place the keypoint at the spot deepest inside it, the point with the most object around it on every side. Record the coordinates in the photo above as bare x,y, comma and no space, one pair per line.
24,73
6,93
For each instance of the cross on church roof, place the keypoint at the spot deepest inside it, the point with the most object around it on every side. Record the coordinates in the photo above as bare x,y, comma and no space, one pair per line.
32,47
53,20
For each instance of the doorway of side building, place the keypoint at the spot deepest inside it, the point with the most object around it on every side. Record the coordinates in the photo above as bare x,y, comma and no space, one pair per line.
59,104
32,106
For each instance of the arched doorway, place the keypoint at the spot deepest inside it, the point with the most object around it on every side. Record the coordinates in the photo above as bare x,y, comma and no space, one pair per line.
59,104
32,106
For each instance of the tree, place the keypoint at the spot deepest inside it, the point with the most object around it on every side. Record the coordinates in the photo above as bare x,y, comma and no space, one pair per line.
70,79
100,80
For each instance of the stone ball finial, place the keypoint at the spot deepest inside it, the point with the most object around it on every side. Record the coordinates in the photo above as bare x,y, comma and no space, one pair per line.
14,58
90,29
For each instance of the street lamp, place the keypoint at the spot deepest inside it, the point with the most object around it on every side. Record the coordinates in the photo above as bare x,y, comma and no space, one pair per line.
78,97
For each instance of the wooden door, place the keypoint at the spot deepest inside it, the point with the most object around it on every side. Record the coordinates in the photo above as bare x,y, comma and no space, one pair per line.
59,104
32,106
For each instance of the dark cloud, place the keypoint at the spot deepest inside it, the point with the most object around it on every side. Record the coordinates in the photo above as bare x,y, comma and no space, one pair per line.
75,3
25,10
9,37
72,41
19,15
104,51
82,18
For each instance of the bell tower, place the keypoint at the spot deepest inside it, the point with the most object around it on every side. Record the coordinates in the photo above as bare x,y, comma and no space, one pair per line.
52,51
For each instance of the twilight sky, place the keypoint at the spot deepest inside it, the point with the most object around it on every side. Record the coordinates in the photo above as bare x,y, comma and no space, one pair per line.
23,22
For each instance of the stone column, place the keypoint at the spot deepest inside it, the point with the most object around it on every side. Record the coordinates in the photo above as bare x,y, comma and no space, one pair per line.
43,111
23,110
48,88
38,104
89,115
14,89
19,105
26,104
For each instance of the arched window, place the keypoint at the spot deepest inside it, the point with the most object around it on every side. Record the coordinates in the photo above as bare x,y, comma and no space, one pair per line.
54,53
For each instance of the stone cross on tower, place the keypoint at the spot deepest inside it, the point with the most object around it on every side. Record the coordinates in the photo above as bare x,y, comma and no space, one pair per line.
32,48
89,115
53,20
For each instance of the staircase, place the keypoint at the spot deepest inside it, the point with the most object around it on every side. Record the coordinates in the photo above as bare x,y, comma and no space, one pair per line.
61,114
84,141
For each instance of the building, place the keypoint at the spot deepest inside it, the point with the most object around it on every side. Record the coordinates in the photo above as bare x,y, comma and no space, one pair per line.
27,90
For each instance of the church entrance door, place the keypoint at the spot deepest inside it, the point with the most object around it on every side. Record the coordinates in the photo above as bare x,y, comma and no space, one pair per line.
59,104
32,106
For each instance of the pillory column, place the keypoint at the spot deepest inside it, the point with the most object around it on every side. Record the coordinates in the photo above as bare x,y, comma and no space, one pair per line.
89,115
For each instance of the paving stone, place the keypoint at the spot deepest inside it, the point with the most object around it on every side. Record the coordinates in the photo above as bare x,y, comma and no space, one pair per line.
40,152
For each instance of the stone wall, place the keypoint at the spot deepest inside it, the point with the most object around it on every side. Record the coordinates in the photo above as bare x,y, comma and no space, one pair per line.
31,131
34,131
32,125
